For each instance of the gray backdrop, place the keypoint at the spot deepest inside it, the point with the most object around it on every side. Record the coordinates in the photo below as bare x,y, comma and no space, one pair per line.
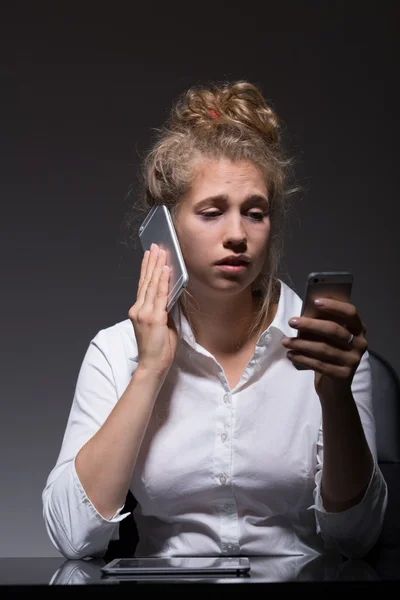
80,93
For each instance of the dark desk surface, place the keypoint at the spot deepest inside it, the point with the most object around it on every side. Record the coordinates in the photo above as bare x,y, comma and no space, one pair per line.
322,572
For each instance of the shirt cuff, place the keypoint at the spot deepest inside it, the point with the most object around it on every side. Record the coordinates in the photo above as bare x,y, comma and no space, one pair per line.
85,500
319,504
353,531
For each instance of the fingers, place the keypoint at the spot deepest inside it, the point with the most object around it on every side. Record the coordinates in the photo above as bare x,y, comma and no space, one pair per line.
161,296
336,371
143,268
322,352
321,328
345,312
152,276
331,344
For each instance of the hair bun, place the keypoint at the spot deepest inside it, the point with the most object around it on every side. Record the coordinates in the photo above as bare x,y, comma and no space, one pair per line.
240,104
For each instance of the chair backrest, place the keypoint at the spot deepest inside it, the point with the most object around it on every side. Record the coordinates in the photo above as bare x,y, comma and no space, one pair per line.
386,405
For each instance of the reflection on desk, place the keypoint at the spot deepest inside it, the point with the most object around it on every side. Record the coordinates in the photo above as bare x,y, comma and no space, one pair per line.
264,569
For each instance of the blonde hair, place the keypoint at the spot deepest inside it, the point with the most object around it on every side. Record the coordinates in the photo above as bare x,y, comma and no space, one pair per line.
230,120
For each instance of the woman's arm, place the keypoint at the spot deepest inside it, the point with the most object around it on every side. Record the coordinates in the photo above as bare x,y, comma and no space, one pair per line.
352,528
106,462
348,462
351,493
88,486
81,522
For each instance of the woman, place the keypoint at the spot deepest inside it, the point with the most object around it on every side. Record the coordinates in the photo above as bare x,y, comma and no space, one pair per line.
227,448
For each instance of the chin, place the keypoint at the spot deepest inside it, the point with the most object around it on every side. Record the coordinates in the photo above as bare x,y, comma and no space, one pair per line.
231,289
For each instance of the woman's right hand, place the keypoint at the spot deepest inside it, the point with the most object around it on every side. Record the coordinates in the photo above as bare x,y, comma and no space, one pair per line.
156,334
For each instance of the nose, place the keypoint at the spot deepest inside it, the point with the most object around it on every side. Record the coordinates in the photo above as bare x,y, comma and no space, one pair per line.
235,233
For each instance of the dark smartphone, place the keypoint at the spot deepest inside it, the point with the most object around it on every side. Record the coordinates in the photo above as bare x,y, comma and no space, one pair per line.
324,284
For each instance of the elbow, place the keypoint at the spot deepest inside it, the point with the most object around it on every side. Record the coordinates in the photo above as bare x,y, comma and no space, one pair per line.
71,549
80,554
358,546
70,554
63,544
74,526
59,539
70,546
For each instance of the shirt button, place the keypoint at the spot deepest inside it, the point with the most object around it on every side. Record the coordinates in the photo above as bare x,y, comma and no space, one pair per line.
223,479
223,437
227,398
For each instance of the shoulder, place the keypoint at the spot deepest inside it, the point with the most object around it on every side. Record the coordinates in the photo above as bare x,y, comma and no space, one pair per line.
117,340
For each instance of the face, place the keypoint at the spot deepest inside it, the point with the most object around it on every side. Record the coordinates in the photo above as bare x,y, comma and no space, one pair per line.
225,213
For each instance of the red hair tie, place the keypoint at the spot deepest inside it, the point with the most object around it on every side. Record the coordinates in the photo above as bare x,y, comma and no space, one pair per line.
213,113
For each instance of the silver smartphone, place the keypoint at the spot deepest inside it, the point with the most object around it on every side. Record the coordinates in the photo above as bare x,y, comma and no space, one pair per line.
158,228
324,284
186,565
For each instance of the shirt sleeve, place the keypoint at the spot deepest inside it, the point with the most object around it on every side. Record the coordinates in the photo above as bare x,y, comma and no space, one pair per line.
353,532
75,527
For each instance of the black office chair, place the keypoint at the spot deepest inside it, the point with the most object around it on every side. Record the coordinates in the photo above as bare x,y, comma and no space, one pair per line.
386,404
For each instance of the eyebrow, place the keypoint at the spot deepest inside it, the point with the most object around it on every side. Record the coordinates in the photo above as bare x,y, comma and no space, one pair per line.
223,199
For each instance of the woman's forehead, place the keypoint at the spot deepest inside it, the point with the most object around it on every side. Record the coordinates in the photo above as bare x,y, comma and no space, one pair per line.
224,177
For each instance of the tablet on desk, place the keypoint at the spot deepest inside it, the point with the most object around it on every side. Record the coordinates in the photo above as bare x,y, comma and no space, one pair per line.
173,565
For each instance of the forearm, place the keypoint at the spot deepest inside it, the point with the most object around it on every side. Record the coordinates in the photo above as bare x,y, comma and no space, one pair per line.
348,462
105,464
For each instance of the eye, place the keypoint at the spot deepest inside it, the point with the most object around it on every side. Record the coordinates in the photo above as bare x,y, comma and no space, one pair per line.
254,215
257,215
211,214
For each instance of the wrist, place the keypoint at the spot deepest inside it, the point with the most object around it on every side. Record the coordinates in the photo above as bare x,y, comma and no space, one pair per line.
144,373
332,391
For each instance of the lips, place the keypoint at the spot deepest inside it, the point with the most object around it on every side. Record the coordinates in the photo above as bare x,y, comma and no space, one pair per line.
234,261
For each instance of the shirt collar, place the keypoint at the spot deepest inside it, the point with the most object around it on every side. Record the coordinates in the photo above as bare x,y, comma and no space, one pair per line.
288,306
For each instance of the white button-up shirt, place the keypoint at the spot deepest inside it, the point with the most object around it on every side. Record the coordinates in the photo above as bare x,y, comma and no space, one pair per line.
220,470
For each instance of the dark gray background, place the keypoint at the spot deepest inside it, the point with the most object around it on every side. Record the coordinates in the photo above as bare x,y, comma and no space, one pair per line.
80,92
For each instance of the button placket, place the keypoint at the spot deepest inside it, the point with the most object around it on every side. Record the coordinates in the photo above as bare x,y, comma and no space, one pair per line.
229,540
227,398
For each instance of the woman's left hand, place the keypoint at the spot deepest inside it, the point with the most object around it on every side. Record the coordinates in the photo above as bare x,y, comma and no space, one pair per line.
332,351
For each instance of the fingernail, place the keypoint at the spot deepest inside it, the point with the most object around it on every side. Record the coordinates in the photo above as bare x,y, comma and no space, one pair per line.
293,322
319,302
153,247
285,340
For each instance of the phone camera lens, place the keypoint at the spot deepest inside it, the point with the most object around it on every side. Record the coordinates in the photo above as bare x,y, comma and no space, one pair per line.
316,279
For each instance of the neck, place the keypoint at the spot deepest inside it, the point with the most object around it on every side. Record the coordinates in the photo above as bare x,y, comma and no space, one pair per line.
222,327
